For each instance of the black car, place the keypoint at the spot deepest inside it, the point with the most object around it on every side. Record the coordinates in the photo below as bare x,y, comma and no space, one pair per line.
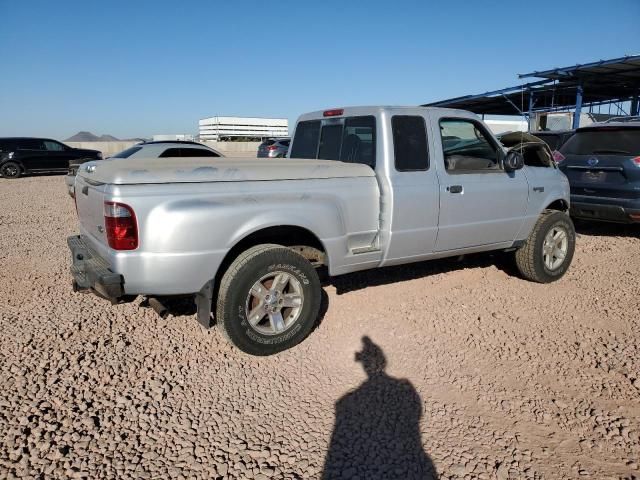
554,138
23,155
602,163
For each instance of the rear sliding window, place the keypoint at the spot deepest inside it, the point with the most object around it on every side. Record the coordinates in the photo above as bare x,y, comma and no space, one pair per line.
305,143
604,142
410,143
127,153
351,139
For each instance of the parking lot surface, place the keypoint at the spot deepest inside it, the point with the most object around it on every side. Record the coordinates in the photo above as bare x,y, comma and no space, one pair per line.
456,369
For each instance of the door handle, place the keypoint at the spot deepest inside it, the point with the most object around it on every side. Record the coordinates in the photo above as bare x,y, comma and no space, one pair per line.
454,189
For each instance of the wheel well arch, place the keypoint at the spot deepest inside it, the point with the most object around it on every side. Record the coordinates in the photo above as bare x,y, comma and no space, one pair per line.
304,241
16,161
559,204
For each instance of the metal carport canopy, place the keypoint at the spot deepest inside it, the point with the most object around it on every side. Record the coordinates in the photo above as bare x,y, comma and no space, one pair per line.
606,81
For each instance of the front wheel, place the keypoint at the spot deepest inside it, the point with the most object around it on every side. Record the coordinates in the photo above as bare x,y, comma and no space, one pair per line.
269,300
10,170
549,249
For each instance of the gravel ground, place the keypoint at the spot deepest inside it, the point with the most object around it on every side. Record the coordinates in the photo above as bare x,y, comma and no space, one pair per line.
455,367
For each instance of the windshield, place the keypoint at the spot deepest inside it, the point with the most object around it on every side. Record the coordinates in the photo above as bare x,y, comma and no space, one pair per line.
603,141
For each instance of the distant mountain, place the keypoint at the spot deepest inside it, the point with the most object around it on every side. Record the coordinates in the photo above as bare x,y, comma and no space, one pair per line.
90,137
83,137
108,138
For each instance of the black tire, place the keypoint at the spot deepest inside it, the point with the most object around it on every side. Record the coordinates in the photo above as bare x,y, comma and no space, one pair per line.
530,258
11,170
234,299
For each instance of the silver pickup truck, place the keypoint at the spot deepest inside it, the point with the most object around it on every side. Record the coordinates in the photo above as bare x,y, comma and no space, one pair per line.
364,187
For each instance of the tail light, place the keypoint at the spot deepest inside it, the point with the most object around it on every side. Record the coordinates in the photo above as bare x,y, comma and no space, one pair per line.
121,226
636,161
557,156
272,148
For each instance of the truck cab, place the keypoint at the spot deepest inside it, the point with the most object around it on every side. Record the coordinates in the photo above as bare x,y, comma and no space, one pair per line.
445,188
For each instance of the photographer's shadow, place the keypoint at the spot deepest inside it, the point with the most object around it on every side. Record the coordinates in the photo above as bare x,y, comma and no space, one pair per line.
377,430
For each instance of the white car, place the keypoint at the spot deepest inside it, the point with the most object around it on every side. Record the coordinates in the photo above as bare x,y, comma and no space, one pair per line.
157,149
163,148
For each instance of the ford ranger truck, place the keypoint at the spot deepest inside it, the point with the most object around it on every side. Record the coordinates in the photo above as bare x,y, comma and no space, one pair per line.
364,187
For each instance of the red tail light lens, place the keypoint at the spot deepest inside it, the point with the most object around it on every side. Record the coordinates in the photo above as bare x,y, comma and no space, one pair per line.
336,112
272,147
121,226
636,161
557,156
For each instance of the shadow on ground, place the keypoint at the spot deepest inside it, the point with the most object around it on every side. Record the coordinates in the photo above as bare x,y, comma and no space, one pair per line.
387,275
377,428
604,229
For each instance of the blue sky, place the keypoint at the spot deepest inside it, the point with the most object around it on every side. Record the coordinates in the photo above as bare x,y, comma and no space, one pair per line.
137,68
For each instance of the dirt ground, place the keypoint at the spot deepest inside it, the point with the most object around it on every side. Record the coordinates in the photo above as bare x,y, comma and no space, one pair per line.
458,367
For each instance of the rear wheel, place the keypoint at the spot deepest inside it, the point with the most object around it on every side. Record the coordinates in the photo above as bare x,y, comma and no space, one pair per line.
549,249
10,170
269,300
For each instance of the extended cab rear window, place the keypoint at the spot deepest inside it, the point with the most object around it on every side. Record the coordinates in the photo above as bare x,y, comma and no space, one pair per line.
350,139
410,143
603,141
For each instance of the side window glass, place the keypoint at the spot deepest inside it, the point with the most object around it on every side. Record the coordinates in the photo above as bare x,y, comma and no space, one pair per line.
410,143
170,152
466,147
30,144
305,142
197,152
53,146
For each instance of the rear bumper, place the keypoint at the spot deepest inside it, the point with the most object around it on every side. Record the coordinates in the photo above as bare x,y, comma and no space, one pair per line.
619,211
91,272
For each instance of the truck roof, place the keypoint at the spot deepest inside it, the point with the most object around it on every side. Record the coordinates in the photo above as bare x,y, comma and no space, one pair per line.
375,109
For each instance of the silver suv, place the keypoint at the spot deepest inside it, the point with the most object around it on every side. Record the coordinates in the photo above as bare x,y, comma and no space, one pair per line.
274,148
163,148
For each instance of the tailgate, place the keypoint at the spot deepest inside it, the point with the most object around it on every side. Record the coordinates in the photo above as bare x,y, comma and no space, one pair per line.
90,206
602,175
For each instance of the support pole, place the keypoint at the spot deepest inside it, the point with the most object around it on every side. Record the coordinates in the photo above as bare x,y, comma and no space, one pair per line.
635,103
530,110
576,114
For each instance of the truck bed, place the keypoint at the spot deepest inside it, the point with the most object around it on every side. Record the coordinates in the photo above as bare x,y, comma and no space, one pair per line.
196,170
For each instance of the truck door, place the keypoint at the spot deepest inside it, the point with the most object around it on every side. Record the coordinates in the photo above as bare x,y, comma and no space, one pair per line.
414,184
480,203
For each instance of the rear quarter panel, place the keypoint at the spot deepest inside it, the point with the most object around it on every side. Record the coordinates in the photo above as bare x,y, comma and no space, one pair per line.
186,229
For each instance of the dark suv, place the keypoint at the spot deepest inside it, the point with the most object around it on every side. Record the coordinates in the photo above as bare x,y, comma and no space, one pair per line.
22,155
602,163
554,138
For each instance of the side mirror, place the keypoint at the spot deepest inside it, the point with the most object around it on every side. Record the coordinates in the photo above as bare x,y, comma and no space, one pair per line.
513,161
